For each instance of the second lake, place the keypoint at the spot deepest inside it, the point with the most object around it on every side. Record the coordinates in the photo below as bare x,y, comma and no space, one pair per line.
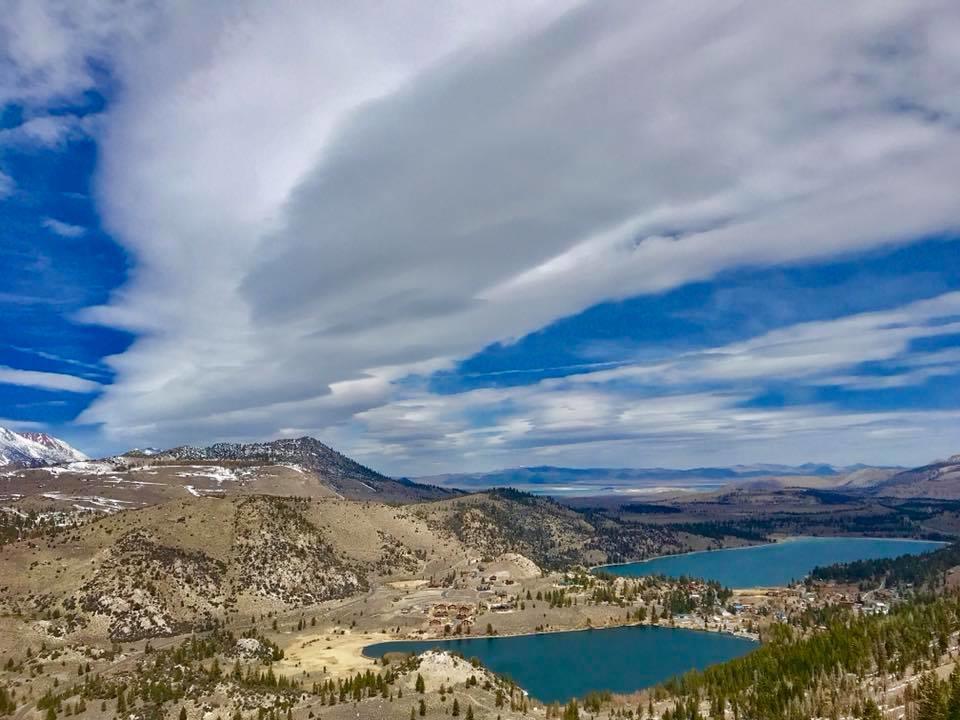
774,564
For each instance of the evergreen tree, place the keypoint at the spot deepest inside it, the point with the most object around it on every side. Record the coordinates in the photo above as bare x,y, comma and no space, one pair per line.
870,711
931,701
953,702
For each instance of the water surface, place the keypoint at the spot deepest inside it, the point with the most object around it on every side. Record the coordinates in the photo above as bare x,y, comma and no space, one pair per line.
774,564
562,665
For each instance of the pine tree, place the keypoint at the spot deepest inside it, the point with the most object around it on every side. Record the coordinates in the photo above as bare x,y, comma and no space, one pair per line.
420,686
183,713
423,708
870,711
931,703
455,711
571,711
953,702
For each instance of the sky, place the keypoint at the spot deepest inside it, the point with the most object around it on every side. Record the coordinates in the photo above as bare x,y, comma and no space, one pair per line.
463,236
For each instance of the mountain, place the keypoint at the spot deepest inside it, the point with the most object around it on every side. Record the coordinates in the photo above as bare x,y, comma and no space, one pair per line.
34,449
343,475
301,467
940,480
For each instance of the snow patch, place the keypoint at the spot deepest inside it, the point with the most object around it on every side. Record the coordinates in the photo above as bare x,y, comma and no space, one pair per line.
213,472
90,502
82,467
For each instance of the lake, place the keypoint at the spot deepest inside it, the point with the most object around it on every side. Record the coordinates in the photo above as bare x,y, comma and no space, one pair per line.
774,564
562,665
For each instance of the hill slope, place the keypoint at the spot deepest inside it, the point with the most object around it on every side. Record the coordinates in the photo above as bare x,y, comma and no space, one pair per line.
939,480
550,534
186,565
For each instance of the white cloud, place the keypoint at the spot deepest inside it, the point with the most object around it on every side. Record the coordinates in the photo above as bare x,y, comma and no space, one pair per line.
51,47
556,422
693,409
319,198
64,229
46,380
7,185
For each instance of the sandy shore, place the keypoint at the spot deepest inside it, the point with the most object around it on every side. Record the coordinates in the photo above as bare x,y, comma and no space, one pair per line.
338,654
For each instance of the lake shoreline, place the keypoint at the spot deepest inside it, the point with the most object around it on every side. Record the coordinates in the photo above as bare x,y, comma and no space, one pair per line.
535,633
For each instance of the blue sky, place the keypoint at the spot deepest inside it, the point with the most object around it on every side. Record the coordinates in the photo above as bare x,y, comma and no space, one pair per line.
494,236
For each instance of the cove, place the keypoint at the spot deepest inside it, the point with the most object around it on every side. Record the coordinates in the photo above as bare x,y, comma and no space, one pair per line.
562,665
774,564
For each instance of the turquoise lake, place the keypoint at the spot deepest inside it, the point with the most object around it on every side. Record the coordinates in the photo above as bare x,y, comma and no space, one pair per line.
559,666
775,564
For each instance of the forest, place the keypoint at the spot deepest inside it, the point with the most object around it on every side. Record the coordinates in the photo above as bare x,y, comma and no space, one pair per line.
926,570
829,671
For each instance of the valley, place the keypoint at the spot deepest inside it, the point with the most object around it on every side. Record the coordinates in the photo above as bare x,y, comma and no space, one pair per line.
290,564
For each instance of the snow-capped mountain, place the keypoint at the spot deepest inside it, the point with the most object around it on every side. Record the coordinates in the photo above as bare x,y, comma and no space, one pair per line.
34,449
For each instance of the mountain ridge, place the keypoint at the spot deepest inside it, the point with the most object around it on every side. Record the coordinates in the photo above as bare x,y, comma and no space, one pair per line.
345,475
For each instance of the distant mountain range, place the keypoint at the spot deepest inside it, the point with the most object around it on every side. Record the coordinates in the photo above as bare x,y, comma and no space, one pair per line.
547,479
34,449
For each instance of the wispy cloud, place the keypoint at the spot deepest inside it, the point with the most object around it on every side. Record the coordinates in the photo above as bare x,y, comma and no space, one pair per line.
58,358
47,380
815,352
64,229
7,185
